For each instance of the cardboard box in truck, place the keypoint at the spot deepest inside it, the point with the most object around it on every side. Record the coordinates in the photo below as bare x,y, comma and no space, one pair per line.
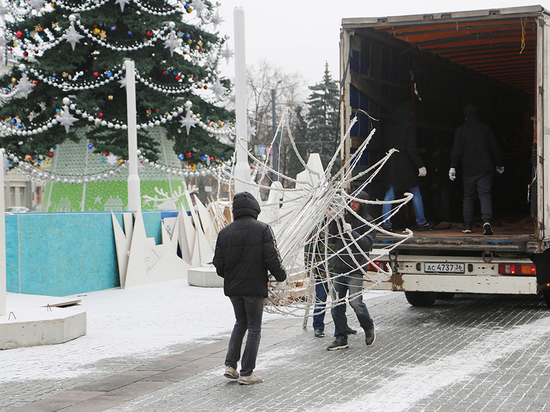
499,61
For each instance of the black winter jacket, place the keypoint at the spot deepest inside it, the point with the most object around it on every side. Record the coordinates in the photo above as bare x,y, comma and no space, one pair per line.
343,262
400,133
246,251
476,148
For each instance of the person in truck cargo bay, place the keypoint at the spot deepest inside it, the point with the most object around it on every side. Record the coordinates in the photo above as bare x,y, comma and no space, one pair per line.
405,165
477,150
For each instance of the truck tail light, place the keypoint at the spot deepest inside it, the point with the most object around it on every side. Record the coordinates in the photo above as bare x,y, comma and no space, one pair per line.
510,269
376,266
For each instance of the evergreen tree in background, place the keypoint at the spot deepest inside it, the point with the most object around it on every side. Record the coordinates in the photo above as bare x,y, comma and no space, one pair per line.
322,120
76,49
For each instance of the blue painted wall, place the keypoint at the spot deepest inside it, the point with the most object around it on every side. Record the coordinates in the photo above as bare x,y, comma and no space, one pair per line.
60,254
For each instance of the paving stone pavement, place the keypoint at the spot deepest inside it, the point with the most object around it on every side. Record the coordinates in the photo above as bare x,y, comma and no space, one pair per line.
469,353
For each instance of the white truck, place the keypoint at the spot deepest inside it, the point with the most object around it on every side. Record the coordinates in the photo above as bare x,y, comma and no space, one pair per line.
498,60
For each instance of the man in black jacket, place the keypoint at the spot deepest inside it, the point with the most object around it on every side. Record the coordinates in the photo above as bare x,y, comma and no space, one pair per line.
476,148
245,252
353,240
405,165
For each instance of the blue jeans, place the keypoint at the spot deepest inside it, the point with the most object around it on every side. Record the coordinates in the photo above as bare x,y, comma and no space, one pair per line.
248,312
321,291
354,284
418,206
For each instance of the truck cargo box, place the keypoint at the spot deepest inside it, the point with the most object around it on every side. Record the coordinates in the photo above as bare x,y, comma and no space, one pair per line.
496,59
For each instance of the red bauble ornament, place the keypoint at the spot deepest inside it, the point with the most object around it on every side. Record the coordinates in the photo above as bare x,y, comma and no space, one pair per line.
100,115
96,74
106,153
211,158
19,34
164,72
205,86
50,154
188,154
178,77
149,33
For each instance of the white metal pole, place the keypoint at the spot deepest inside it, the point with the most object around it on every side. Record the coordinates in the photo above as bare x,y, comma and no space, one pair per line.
3,287
134,188
242,169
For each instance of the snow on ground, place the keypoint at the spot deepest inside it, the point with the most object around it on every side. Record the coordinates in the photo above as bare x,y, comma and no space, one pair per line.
140,322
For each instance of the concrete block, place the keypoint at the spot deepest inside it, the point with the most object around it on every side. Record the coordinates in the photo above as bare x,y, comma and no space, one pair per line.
46,331
205,277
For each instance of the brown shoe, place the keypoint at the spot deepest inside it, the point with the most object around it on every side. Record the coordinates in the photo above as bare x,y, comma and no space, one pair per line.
231,373
250,379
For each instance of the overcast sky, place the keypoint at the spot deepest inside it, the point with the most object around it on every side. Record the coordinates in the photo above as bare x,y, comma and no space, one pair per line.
299,36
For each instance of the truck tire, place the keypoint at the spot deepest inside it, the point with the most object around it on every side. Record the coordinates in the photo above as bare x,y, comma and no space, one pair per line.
421,298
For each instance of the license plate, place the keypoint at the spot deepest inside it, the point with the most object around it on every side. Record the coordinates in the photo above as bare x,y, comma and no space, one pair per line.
444,267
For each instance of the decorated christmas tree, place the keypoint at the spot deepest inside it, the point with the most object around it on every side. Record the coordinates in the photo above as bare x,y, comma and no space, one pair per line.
68,79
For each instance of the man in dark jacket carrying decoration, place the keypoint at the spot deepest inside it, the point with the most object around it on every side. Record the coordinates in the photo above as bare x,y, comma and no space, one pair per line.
245,252
353,240
405,165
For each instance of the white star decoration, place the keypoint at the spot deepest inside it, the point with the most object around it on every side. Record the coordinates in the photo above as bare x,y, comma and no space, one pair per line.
198,5
218,89
189,121
171,43
112,159
72,36
227,53
217,20
24,86
66,119
122,4
97,200
36,4
122,82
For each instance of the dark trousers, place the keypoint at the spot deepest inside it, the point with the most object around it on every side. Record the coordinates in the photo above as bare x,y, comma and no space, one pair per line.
477,186
321,291
353,284
248,313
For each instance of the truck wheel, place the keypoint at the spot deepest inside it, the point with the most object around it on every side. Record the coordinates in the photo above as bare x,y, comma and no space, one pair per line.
421,298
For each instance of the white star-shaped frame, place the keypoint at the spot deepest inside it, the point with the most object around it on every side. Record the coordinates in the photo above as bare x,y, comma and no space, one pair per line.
198,5
189,121
122,4
112,159
72,36
218,89
66,119
217,20
24,86
227,53
171,43
36,4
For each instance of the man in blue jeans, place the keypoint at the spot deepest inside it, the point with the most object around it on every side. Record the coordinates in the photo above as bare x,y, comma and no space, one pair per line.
353,240
321,293
405,165
245,252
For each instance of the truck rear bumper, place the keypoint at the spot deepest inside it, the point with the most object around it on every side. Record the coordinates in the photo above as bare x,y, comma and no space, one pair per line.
459,284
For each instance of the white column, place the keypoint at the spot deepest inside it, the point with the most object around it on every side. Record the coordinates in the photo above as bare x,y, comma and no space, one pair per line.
242,169
134,188
3,287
